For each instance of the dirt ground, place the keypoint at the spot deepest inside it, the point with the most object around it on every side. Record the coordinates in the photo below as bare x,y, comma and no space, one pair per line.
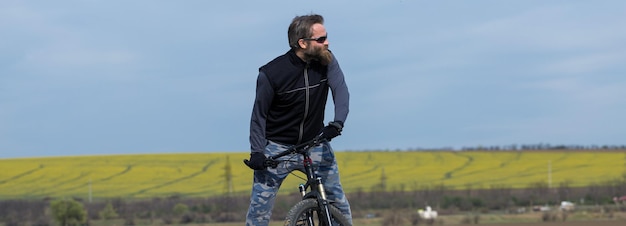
567,223
535,220
529,219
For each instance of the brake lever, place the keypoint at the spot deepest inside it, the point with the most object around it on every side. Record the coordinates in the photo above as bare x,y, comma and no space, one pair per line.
271,163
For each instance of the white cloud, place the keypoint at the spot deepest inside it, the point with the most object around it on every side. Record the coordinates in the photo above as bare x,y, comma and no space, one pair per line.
583,92
59,57
42,42
586,64
554,27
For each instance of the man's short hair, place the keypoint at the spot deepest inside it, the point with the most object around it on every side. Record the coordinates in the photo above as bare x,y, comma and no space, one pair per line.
301,27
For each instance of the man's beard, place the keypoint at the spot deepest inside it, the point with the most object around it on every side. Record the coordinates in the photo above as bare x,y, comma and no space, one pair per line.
319,54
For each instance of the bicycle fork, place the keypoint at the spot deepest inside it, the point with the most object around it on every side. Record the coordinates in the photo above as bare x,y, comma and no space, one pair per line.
309,216
322,202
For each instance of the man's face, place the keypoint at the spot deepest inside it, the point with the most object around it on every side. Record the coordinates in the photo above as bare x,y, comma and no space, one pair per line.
317,47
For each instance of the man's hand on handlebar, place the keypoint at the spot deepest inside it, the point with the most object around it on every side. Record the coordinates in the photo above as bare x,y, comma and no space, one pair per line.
332,130
258,161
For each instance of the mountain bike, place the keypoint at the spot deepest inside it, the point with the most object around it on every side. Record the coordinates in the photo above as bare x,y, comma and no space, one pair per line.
314,208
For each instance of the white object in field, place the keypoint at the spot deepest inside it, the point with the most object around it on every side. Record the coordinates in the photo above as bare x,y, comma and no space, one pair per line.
567,206
429,213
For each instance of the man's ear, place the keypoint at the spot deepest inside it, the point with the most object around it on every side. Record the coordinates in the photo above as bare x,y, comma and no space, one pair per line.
302,44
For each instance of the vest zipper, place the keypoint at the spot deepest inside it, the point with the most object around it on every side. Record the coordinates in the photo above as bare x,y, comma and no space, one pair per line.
306,102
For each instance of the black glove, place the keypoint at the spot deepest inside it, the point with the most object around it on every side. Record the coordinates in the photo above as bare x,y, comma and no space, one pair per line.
332,130
257,161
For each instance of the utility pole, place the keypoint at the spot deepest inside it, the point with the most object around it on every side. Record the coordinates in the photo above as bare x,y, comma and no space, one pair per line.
228,176
549,173
90,192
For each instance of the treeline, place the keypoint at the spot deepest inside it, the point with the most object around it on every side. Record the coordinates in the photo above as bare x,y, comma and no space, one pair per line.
529,147
180,210
542,146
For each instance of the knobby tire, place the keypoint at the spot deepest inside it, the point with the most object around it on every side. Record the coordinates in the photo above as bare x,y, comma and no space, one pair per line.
297,216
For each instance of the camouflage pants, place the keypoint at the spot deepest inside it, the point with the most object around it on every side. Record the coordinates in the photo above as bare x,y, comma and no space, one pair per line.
267,182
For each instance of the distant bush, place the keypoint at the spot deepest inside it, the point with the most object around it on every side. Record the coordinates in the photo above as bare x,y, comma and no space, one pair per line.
108,212
180,209
68,212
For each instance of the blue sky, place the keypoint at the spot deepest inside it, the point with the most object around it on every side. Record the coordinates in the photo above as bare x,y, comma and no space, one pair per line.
119,77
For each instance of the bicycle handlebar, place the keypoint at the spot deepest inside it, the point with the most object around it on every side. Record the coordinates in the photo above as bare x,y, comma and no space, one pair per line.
299,148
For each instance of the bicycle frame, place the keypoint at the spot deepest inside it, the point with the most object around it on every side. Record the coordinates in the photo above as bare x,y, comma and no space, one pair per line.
313,183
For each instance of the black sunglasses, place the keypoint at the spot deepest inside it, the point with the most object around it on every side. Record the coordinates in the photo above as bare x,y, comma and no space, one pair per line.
318,40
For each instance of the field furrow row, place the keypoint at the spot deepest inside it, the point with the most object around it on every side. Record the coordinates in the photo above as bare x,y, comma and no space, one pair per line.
211,174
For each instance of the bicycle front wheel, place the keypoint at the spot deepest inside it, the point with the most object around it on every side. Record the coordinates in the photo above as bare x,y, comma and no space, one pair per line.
307,210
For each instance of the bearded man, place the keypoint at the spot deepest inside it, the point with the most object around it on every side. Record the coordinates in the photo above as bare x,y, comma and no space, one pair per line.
291,95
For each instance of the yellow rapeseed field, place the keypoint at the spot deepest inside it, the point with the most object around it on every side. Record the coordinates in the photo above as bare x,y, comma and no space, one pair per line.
213,174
